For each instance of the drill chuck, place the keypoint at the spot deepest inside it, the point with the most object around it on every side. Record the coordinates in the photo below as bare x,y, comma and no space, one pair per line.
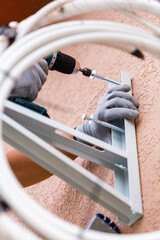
61,62
86,71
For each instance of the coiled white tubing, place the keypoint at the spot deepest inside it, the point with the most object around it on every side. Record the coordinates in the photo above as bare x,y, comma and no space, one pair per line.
41,43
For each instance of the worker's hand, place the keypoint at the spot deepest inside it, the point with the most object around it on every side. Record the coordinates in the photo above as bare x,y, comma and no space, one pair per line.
116,103
31,81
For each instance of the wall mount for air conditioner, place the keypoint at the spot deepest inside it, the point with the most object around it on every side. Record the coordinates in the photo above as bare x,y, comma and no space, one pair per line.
34,134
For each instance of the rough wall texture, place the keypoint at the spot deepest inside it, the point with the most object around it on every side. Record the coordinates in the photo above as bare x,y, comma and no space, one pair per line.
68,97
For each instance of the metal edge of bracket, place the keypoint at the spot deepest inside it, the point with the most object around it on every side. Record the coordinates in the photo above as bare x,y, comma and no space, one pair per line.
128,181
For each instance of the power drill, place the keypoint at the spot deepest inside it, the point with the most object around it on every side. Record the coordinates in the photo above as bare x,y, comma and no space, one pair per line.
30,105
59,62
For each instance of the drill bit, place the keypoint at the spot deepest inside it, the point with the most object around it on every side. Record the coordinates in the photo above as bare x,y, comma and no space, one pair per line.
92,74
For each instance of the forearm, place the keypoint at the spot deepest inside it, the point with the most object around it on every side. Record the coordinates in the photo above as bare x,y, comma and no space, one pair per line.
27,171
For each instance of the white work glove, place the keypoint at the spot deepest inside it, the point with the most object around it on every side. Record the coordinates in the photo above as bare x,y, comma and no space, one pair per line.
31,81
116,103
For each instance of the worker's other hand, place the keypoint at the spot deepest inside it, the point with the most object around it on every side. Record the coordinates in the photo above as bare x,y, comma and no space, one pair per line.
31,81
116,103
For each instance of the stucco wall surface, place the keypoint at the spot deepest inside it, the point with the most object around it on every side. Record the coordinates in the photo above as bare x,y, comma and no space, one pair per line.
68,97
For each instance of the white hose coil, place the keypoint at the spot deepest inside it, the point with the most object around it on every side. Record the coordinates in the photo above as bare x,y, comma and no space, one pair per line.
37,45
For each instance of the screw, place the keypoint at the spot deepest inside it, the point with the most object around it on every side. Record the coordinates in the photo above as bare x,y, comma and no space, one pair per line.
105,124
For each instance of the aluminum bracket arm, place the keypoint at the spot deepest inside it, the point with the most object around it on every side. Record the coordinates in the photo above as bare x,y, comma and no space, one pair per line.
33,135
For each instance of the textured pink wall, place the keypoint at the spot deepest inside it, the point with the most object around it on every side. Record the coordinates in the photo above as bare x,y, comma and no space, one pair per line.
68,97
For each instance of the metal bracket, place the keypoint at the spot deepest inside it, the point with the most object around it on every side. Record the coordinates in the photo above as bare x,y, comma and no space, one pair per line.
34,134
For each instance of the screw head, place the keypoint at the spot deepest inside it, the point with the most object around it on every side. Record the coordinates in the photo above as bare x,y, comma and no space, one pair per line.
84,116
92,76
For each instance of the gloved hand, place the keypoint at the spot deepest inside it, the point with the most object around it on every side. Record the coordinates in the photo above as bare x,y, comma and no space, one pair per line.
116,103
31,81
